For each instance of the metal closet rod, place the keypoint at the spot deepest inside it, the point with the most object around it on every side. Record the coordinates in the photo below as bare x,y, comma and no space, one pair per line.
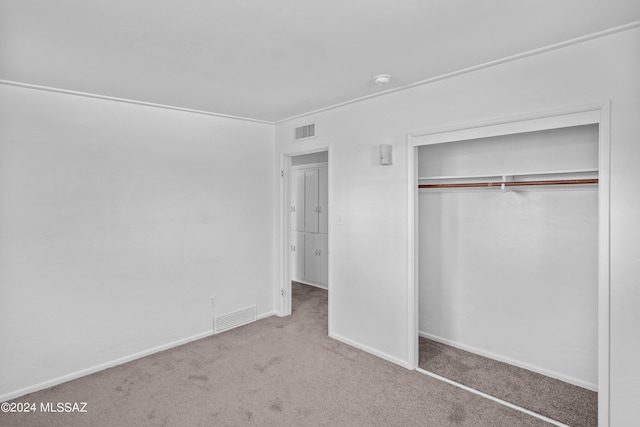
512,183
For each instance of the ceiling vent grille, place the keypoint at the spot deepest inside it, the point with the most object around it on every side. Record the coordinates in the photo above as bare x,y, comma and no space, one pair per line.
305,132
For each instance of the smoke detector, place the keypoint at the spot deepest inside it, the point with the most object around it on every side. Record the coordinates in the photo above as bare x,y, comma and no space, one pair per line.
381,79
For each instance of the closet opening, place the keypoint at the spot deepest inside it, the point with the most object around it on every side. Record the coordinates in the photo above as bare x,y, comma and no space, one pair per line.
510,266
307,226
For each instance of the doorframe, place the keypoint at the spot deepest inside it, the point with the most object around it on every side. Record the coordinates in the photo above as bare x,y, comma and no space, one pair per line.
595,113
283,295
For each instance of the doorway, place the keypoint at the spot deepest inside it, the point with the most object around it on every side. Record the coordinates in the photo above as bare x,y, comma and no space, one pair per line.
593,117
305,223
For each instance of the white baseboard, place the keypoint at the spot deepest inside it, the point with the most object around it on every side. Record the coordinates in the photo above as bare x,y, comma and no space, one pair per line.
370,350
112,363
268,314
100,367
510,361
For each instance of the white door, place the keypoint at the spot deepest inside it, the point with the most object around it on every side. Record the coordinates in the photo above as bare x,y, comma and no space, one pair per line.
297,200
316,264
322,242
297,255
311,201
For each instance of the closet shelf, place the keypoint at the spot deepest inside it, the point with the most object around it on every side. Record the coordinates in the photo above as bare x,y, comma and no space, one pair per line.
510,174
512,183
563,177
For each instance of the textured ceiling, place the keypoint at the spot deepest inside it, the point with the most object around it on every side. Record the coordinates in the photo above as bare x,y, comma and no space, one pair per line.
270,60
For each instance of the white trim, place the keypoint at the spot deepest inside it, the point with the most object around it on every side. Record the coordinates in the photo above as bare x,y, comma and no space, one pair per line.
510,361
604,264
284,282
323,165
549,119
495,399
413,356
330,231
267,314
102,366
299,151
510,128
516,57
127,101
370,350
582,114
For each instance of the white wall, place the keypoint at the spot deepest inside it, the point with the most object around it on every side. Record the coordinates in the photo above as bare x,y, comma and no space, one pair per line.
117,222
513,275
369,257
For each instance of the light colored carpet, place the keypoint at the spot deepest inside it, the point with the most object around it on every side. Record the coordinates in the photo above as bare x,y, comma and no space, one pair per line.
275,372
567,403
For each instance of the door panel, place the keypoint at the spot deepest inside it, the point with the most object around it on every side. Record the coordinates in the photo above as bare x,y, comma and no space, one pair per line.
297,200
316,265
311,201
297,255
323,263
323,200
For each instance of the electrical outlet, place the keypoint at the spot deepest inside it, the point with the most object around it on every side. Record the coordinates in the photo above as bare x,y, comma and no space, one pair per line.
212,300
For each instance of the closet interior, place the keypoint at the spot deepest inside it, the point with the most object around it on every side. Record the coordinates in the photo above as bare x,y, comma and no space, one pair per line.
507,261
309,219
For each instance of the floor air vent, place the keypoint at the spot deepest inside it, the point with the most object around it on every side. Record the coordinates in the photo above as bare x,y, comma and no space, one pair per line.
306,131
232,320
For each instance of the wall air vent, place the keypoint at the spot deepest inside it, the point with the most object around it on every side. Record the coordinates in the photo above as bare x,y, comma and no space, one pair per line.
305,132
235,319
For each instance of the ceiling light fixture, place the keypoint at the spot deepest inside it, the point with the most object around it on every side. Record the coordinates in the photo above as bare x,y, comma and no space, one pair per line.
381,79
